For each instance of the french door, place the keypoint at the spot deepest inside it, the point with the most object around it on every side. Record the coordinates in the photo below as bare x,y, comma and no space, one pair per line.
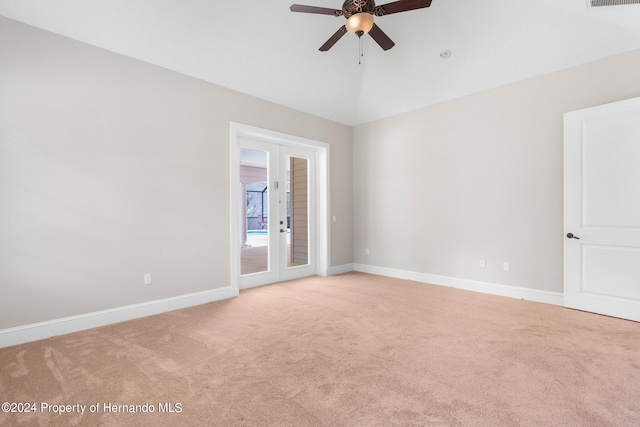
278,217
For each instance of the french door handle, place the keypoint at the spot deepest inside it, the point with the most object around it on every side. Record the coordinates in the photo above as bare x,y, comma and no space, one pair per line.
571,236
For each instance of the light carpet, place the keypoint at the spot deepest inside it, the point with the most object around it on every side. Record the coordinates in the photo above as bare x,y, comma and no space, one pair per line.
348,350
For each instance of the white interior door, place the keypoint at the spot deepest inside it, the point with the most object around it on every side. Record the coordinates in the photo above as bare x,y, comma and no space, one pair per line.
602,209
278,212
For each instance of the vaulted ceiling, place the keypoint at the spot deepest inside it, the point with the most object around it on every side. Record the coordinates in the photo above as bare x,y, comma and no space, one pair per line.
262,49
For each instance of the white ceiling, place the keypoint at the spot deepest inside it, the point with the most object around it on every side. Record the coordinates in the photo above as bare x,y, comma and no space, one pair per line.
262,49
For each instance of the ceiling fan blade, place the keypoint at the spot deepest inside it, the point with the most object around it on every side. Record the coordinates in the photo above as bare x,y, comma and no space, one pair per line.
334,38
314,9
381,38
401,6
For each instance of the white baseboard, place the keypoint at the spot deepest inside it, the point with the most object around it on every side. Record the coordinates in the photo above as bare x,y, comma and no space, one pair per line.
66,325
547,297
339,269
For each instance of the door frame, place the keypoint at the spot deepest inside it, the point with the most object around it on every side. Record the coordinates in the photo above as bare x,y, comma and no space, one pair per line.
238,130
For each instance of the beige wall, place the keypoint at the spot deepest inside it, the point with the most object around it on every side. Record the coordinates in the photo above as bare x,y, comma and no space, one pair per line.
480,177
111,168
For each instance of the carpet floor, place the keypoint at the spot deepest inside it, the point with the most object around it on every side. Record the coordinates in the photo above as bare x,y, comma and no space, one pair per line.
348,350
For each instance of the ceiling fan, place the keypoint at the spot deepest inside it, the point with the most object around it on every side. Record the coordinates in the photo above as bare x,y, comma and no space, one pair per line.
359,14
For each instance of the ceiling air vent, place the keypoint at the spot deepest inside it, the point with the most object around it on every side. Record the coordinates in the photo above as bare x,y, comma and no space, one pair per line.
600,3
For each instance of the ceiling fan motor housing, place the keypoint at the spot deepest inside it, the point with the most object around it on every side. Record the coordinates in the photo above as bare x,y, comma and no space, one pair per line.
352,7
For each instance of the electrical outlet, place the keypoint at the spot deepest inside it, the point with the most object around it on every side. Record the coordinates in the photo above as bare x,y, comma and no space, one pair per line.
505,266
147,279
482,263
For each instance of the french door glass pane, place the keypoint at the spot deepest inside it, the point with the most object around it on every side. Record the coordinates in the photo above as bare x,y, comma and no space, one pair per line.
297,211
254,209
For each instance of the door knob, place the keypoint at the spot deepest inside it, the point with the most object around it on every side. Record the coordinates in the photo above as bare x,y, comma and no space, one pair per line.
571,236
283,231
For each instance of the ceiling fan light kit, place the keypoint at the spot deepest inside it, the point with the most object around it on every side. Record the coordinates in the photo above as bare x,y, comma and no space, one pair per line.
359,24
360,18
